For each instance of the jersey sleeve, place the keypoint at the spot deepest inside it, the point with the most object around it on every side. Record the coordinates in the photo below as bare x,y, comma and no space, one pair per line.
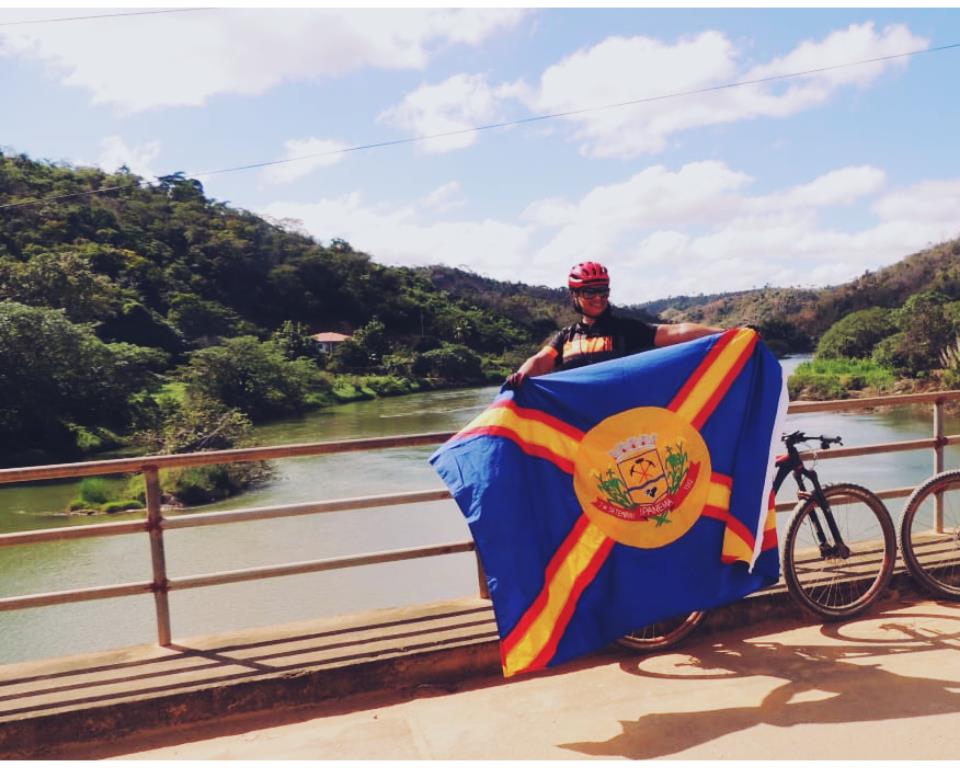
554,347
639,335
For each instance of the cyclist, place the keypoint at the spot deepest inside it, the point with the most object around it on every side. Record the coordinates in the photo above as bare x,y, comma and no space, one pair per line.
600,334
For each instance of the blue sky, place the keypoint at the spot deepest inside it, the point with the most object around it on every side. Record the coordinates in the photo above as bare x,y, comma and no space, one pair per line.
802,181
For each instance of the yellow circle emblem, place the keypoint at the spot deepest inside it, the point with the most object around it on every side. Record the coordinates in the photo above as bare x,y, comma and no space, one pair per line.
642,476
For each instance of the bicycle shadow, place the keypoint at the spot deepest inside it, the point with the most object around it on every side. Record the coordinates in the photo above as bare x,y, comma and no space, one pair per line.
825,684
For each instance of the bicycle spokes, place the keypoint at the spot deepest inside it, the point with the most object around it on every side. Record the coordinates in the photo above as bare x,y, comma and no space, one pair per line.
930,535
837,557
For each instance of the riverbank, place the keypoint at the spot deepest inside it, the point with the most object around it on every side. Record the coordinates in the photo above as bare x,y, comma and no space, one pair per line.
345,389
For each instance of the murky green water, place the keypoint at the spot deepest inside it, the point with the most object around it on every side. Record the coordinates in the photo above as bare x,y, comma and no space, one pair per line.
62,630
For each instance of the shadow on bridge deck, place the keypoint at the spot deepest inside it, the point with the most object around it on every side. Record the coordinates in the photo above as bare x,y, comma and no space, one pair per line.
758,663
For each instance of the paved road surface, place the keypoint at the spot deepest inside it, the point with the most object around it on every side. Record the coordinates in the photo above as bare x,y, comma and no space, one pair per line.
882,687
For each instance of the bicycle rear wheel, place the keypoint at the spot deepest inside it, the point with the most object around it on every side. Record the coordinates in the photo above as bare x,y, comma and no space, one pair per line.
662,634
839,579
930,542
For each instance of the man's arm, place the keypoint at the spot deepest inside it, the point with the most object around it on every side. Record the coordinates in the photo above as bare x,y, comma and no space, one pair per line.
679,332
536,365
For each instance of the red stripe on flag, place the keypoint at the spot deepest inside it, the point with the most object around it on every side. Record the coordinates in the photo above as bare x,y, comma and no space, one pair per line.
544,418
724,516
596,563
701,369
769,539
720,392
538,605
530,449
721,479
717,513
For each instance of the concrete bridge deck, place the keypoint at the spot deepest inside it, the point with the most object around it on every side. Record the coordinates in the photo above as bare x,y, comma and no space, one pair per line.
761,681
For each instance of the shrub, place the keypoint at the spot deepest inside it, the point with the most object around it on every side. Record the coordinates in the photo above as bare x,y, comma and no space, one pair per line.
452,362
926,331
94,490
857,334
204,485
950,359
890,354
253,376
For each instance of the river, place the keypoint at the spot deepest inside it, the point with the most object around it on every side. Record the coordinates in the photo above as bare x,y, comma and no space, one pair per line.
94,625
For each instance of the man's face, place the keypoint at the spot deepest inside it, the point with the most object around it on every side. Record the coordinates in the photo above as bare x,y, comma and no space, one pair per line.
592,300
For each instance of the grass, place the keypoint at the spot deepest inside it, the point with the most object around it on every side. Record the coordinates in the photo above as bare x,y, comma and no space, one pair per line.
836,378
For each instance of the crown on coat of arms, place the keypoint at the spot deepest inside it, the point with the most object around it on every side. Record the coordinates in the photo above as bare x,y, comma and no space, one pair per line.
632,445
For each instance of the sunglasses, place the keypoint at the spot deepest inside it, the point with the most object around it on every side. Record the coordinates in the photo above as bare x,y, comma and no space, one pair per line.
592,293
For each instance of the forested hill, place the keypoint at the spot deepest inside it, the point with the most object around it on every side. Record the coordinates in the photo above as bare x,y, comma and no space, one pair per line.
165,266
106,297
799,317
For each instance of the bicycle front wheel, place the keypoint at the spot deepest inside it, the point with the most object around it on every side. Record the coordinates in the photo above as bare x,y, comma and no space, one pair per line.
662,634
839,578
930,534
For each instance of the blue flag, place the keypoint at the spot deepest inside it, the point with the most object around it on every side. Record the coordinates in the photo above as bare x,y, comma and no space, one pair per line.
615,495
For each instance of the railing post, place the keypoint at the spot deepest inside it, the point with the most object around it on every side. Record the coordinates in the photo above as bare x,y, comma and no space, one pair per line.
151,478
482,579
938,463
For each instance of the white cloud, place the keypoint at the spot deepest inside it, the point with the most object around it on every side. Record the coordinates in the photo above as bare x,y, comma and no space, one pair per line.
404,235
305,156
933,202
146,62
444,198
622,69
660,232
596,225
456,105
115,153
841,187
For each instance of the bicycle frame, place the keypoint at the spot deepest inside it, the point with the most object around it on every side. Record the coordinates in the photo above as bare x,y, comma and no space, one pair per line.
792,464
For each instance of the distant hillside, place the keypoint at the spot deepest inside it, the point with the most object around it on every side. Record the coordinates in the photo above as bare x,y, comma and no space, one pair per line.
800,316
551,307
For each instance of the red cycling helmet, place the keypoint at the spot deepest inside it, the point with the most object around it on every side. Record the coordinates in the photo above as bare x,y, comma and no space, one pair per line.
587,273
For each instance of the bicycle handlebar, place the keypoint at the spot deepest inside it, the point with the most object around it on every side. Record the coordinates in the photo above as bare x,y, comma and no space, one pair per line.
799,437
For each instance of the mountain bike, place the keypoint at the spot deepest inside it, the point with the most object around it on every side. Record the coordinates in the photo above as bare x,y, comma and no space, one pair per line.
838,553
930,534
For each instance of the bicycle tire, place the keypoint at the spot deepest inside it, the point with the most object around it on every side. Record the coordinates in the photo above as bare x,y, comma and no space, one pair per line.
838,586
662,634
931,557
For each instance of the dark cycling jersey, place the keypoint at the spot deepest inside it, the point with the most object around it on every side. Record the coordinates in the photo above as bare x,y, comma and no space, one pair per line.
609,337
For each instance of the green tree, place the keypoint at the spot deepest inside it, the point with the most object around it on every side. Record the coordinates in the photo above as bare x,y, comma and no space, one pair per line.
925,331
858,333
62,279
293,339
364,351
372,338
251,375
451,362
58,381
198,318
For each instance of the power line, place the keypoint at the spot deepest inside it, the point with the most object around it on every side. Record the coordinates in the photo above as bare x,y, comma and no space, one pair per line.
508,123
101,16
573,112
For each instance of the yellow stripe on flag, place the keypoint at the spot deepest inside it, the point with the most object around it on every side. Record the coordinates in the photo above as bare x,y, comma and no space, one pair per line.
535,639
705,387
719,495
735,548
531,431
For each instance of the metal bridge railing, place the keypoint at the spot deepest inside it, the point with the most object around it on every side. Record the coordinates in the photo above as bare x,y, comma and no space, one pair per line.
155,524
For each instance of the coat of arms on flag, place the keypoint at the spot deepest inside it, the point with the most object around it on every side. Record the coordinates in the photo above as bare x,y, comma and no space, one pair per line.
611,496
